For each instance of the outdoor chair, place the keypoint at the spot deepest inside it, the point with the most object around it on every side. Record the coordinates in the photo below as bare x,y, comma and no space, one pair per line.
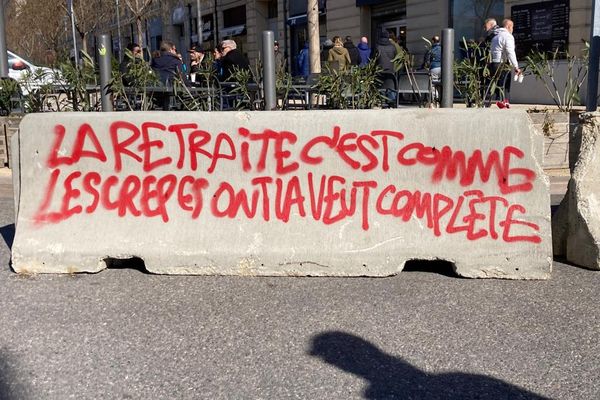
415,88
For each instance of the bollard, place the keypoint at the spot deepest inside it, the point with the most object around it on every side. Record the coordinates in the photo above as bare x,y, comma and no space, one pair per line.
447,72
269,70
104,61
3,53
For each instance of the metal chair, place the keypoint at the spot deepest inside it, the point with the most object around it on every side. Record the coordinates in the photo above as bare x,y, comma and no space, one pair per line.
416,87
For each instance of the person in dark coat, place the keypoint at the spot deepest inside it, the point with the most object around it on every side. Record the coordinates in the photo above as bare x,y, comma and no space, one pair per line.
168,66
232,58
364,51
133,56
385,52
352,51
327,45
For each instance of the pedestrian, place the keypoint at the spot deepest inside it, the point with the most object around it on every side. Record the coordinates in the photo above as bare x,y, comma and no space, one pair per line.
352,51
304,61
491,29
338,58
168,66
327,45
232,59
503,58
384,53
364,51
433,59
279,59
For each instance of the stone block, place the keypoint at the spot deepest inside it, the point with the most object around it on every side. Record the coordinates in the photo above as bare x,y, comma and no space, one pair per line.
576,225
319,193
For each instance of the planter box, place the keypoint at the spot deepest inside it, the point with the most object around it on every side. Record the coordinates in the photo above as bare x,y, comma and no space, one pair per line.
561,142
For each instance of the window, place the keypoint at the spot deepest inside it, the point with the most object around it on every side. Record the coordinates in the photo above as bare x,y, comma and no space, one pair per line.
468,17
234,16
272,9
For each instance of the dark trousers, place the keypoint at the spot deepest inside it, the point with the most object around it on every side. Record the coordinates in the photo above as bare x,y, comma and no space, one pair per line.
501,72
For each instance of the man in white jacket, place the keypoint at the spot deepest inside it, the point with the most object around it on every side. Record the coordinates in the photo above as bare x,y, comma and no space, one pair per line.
503,51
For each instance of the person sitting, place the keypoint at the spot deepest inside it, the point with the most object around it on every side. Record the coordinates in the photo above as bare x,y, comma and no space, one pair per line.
133,55
196,62
433,59
168,66
231,59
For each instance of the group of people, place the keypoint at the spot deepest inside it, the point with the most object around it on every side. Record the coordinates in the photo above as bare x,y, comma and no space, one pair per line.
168,64
502,49
500,43
342,54
339,54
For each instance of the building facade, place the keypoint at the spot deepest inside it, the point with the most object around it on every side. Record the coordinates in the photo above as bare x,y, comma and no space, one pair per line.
408,20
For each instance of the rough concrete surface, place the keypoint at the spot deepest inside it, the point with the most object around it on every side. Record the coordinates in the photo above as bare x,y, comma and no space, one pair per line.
423,334
332,193
576,224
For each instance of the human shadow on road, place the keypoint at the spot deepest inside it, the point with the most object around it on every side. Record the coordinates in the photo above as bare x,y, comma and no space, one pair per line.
391,377
10,384
8,234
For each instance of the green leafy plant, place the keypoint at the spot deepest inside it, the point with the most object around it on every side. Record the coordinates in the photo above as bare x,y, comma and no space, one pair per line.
133,95
545,65
357,88
75,81
472,76
9,91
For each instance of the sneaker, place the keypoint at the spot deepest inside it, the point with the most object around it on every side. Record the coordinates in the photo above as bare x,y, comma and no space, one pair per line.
506,104
500,104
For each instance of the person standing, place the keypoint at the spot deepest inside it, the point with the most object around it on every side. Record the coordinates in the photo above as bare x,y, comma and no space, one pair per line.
384,53
491,29
503,53
232,58
327,45
364,51
304,61
279,59
338,58
352,51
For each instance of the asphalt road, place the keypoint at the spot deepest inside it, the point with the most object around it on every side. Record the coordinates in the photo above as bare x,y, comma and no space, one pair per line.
423,334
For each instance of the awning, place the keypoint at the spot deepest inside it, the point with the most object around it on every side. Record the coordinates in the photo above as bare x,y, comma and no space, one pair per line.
232,31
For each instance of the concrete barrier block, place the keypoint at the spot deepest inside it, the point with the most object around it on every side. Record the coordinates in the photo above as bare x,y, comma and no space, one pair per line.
577,225
320,193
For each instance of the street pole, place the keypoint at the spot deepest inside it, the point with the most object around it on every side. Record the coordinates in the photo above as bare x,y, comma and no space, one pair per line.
104,62
591,102
119,32
3,53
312,14
70,6
268,38
447,72
199,22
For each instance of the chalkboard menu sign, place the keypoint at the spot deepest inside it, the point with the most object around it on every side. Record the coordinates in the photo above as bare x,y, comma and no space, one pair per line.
543,26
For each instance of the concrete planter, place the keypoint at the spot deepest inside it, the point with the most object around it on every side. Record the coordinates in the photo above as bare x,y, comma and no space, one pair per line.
561,143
